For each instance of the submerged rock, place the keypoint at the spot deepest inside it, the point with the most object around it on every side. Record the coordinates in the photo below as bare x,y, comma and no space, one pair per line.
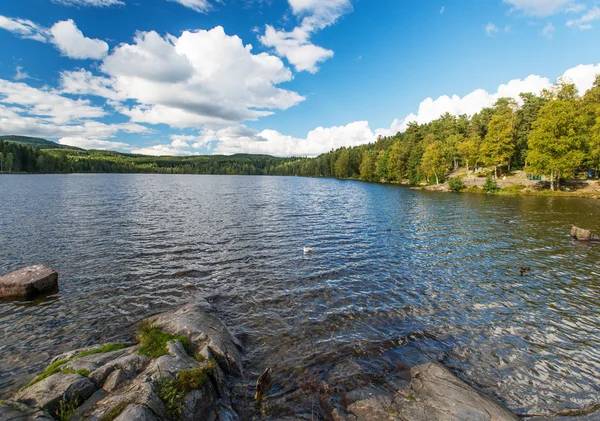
28,283
580,234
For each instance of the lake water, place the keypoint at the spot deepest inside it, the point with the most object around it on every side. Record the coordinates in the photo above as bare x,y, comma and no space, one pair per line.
398,277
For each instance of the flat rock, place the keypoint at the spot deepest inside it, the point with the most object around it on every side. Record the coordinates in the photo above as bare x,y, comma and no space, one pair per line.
16,411
202,329
436,394
28,283
48,393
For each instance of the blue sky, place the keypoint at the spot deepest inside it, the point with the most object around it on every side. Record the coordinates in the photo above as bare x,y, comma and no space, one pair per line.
179,76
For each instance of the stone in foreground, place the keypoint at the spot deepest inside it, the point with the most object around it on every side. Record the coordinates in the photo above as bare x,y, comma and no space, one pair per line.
580,234
28,283
434,394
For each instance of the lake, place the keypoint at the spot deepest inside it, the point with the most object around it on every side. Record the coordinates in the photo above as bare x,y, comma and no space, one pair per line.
398,277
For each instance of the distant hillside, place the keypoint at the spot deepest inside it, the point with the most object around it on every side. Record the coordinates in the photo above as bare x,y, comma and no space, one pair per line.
35,142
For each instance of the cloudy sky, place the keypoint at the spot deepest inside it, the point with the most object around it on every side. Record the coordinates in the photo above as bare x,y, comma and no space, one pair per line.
282,77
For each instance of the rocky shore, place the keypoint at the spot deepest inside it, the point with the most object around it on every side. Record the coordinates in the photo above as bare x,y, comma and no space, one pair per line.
183,367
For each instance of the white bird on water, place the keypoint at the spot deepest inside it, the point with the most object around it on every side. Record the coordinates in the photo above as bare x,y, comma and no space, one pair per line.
308,250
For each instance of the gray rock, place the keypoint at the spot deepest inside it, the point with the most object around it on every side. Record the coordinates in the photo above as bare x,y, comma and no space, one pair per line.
137,413
139,394
116,379
580,234
16,411
339,415
48,393
28,283
436,394
169,365
193,322
199,404
375,408
129,364
99,359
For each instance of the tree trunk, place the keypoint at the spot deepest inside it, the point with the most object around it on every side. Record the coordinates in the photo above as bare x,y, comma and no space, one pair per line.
496,172
467,167
552,179
558,180
437,180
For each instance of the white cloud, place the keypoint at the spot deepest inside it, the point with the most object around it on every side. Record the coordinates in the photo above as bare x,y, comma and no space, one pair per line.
542,7
85,143
242,139
582,76
21,74
72,43
296,45
65,36
92,3
24,28
44,103
201,6
443,9
200,78
491,29
585,22
175,148
548,31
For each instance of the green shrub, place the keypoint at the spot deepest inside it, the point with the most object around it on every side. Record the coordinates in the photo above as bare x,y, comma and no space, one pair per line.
172,392
102,350
490,185
115,412
53,368
153,341
66,409
456,184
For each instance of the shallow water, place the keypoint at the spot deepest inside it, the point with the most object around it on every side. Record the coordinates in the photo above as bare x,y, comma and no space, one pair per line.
398,277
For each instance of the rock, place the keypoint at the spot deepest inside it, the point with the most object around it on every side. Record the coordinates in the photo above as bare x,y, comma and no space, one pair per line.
16,411
115,380
580,234
202,329
199,404
229,415
436,394
375,408
28,283
129,364
48,393
136,413
118,406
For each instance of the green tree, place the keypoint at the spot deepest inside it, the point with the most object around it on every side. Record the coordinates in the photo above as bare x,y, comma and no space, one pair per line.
1,161
9,161
557,145
367,166
434,162
499,144
342,164
468,150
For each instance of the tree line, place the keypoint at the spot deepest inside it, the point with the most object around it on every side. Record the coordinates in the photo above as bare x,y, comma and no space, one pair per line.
555,134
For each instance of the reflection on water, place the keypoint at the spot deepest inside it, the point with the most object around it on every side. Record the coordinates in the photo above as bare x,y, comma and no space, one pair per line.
398,277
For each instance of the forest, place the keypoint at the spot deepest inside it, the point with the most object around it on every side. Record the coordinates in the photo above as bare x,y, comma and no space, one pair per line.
555,134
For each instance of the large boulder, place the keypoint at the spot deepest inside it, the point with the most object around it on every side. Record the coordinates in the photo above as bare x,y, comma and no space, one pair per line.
580,234
434,394
203,330
28,283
